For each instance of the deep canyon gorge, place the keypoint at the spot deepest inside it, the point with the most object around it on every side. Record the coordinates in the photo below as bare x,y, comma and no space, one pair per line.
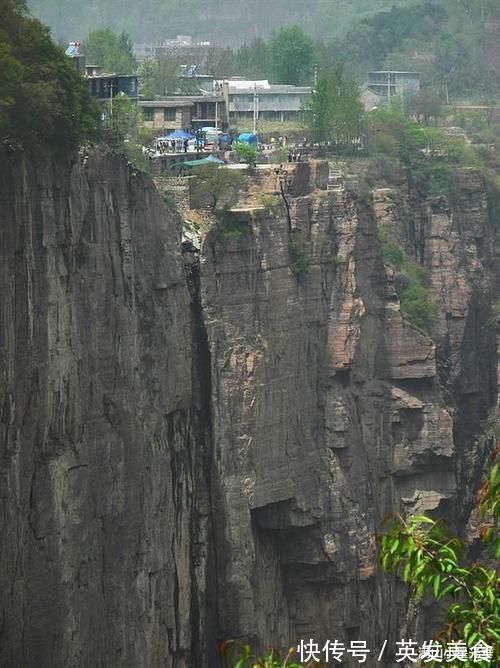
203,446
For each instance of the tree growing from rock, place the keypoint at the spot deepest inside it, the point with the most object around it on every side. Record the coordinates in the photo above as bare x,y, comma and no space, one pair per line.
213,184
430,559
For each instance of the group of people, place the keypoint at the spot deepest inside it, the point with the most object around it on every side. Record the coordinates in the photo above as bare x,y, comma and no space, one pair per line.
294,156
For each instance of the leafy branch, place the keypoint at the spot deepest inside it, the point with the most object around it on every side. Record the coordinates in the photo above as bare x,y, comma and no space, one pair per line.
427,557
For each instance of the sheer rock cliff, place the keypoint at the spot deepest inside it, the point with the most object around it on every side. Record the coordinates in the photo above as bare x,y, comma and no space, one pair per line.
104,511
201,448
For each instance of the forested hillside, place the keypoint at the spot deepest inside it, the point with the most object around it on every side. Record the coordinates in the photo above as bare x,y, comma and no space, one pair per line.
222,21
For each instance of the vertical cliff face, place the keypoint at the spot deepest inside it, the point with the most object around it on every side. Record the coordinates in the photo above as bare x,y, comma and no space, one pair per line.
103,517
192,452
330,411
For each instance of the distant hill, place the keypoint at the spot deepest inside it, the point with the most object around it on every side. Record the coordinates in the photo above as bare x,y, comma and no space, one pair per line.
221,21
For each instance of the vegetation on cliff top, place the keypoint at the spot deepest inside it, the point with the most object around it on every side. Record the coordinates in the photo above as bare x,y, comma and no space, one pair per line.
44,102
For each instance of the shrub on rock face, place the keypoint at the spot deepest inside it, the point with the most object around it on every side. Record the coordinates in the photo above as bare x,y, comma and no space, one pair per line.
213,184
411,285
300,261
427,557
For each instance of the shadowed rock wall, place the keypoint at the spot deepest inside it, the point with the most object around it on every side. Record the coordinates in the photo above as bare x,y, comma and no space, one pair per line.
102,516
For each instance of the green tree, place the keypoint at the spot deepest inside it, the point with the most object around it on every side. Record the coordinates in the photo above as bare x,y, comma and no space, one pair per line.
159,76
213,183
110,50
121,120
335,111
43,99
293,53
426,106
432,560
254,60
246,153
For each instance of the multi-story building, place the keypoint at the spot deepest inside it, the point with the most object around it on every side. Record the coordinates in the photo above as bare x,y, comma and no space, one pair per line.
273,102
104,86
181,112
384,84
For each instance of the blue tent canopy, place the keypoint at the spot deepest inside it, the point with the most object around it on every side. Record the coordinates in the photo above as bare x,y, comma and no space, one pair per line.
247,138
179,134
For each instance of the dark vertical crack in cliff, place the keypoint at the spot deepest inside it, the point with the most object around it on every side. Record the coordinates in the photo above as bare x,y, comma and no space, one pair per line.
203,649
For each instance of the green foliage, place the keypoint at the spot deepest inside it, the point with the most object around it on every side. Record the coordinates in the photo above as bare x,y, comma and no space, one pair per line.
241,656
121,120
135,156
453,43
280,154
392,252
430,158
335,111
293,55
213,183
492,182
369,42
44,102
253,60
412,285
159,76
300,260
169,202
227,228
113,52
424,553
246,153
272,203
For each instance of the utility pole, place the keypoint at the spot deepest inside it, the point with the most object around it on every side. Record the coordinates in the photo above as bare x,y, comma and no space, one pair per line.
255,110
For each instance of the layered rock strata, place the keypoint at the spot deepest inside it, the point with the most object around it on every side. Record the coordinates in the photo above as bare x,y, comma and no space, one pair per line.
201,448
330,411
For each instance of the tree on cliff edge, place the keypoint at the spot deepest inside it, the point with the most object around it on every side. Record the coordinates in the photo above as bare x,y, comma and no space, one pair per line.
44,101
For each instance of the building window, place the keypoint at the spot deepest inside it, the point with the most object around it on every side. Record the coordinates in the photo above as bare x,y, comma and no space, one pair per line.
148,114
169,114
